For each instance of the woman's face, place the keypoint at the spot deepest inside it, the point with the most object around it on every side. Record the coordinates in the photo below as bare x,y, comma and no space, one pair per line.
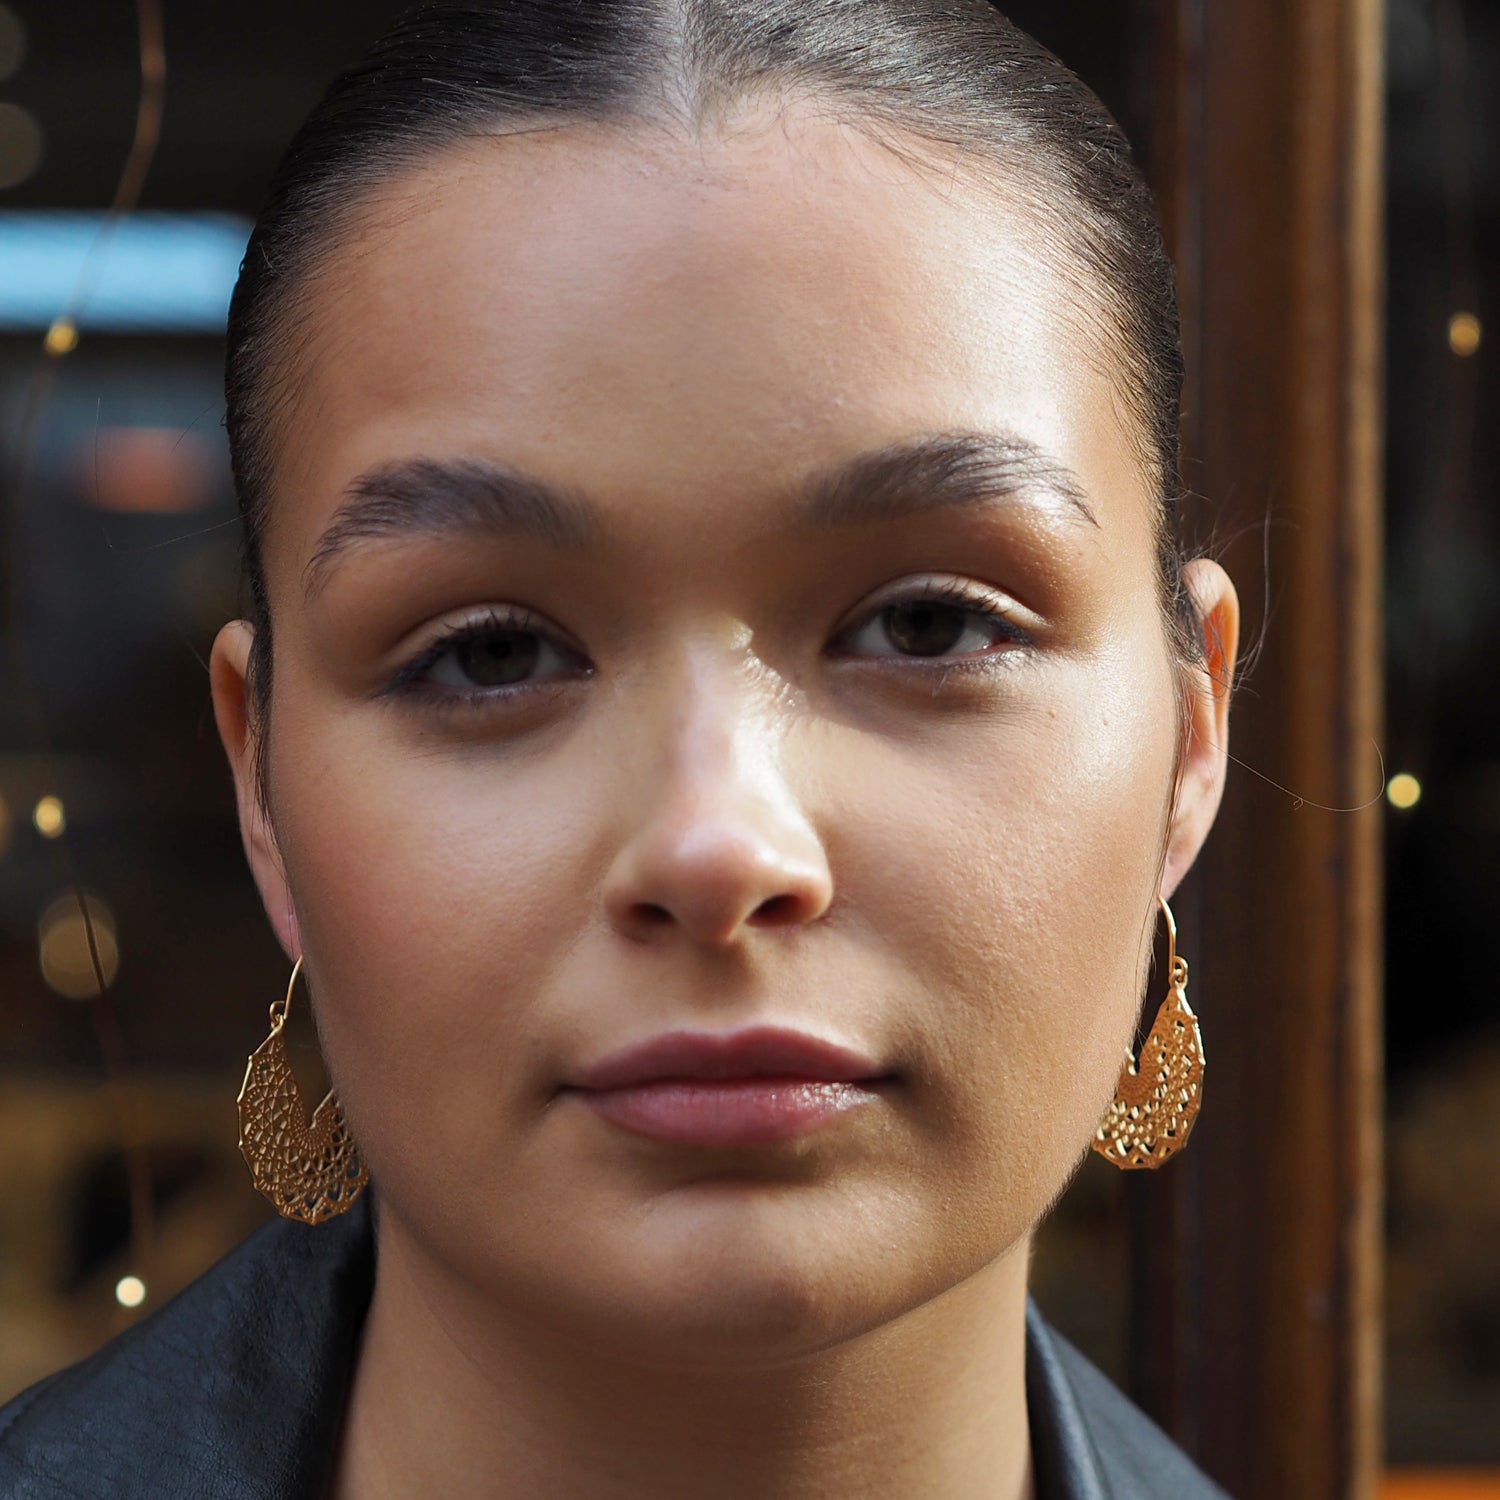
713,590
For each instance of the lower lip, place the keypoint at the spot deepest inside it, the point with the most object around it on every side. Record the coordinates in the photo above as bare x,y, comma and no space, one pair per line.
729,1111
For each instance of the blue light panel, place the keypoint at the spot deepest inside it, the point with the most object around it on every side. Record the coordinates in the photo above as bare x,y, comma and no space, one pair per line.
156,273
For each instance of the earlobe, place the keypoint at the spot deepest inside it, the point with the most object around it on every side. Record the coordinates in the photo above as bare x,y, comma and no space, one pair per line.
1205,754
229,668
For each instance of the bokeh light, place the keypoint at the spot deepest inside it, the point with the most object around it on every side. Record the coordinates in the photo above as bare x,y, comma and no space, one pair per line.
50,817
1403,791
21,141
64,951
148,470
62,337
1465,334
12,42
130,1291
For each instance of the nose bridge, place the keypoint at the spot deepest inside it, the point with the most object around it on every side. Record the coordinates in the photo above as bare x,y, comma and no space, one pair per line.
717,836
723,737
720,754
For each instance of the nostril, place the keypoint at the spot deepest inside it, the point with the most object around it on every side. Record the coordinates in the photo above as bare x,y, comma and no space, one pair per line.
649,914
777,911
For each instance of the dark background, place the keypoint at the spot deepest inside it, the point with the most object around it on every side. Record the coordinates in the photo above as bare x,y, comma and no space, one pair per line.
107,616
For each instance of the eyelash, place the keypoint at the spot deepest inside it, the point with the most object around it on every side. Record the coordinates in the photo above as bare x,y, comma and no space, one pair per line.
967,598
409,680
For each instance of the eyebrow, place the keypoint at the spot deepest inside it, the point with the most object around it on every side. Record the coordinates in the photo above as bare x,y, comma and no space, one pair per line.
418,497
941,471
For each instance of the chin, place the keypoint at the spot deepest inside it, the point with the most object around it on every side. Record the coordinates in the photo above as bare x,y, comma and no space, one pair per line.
736,1275
750,1317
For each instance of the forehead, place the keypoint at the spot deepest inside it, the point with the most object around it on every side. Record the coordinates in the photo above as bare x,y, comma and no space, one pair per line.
678,325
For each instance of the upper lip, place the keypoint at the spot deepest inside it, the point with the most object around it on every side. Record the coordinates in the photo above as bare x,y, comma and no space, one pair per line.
756,1052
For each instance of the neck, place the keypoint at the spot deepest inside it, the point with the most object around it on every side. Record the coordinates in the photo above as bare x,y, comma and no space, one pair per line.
452,1397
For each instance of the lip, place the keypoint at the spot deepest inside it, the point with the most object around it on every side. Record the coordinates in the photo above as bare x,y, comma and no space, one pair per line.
755,1052
741,1088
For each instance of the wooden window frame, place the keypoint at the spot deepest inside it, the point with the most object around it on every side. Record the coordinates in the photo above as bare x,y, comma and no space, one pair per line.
1255,1329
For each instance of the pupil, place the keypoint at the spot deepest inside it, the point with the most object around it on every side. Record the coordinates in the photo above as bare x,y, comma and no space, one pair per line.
495,660
925,628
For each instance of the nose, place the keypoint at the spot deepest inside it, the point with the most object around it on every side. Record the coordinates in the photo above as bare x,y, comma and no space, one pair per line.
718,843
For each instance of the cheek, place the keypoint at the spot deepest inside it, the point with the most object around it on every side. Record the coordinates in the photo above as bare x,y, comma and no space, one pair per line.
434,902
1021,885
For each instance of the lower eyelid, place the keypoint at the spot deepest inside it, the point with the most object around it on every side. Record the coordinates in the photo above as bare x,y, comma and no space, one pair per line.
481,703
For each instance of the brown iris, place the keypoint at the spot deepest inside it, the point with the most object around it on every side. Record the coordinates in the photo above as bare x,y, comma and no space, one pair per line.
497,658
924,628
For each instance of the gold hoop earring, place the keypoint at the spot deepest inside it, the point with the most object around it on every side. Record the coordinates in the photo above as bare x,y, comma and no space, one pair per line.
311,1170
1157,1098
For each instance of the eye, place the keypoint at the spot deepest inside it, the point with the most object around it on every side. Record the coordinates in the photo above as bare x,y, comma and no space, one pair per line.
938,620
488,658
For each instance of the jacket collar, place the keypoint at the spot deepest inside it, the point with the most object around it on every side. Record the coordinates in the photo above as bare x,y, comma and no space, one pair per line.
1063,1455
232,1391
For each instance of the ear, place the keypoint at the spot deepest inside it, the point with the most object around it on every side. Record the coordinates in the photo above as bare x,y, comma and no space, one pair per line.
228,671
1205,753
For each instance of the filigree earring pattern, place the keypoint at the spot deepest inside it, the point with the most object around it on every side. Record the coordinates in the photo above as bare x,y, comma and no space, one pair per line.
311,1170
1158,1096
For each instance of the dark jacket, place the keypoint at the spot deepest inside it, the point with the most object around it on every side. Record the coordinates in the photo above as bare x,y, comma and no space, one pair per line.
234,1391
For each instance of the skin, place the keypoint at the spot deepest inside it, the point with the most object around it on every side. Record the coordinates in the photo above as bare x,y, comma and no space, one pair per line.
731,818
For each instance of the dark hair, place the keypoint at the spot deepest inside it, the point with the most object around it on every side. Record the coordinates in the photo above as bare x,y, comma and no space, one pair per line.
952,73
